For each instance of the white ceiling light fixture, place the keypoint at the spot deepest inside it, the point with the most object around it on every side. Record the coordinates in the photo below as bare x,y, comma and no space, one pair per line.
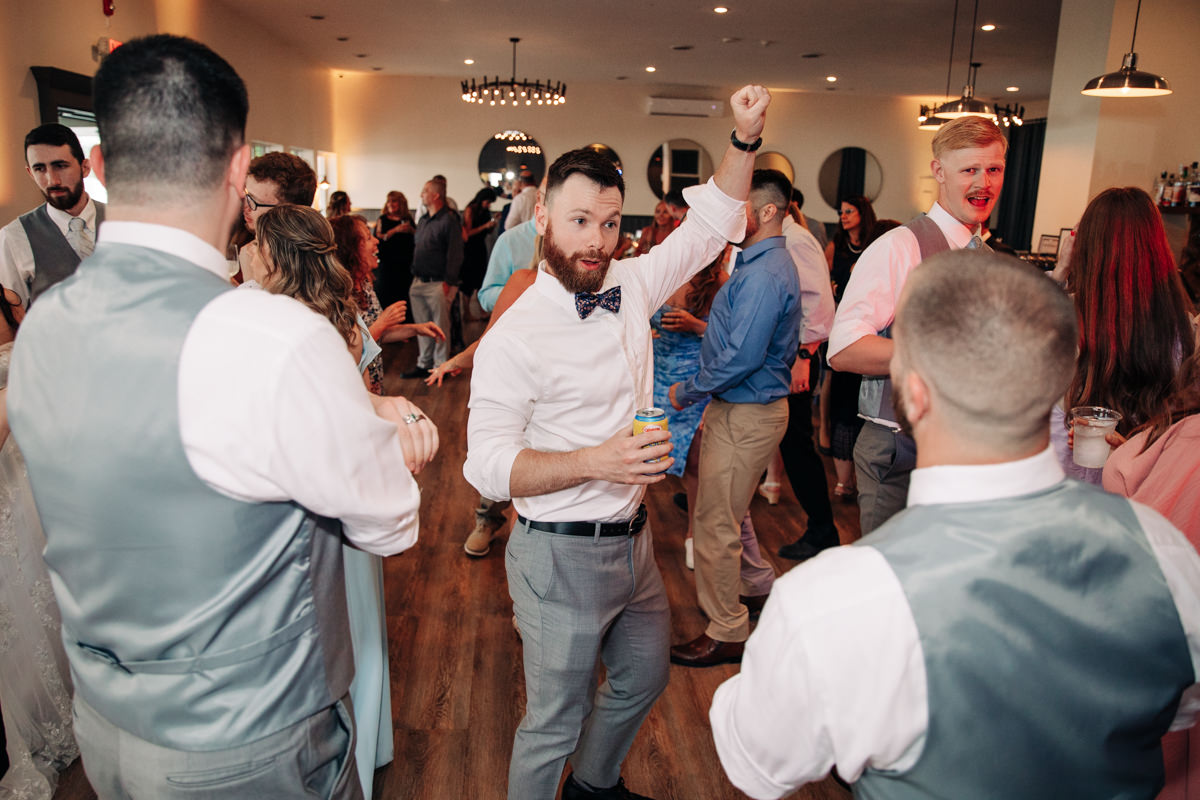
967,105
514,92
831,78
651,69
989,27
720,10
1128,81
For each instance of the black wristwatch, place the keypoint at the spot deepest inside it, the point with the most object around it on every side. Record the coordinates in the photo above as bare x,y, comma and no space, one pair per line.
804,354
740,145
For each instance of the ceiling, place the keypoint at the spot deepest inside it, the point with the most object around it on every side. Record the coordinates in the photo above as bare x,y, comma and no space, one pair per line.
893,47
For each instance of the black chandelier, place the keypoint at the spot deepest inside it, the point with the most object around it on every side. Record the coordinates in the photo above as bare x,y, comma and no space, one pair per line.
494,91
1009,115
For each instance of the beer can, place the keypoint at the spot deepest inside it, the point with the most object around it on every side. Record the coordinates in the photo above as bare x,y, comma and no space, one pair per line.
650,419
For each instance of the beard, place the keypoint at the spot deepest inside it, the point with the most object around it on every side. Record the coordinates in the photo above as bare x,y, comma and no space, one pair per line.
565,267
752,227
64,202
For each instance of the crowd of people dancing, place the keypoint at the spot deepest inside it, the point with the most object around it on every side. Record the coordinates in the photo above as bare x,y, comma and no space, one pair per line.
192,595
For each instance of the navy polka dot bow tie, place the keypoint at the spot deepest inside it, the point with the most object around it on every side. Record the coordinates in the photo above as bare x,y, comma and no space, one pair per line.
586,302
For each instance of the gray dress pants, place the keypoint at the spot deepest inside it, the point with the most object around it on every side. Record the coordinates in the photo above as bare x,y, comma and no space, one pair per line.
883,460
311,758
580,601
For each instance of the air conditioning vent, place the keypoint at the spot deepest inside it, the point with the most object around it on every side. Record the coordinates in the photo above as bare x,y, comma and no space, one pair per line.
683,107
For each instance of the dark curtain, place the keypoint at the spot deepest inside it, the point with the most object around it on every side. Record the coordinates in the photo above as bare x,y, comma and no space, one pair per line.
1013,220
853,172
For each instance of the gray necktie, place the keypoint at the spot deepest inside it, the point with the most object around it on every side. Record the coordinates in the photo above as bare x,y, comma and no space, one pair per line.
79,236
976,243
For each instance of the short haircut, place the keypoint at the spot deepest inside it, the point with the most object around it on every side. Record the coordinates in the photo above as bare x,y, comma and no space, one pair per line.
588,163
675,198
293,176
527,178
967,132
770,186
439,185
171,113
54,135
798,197
993,338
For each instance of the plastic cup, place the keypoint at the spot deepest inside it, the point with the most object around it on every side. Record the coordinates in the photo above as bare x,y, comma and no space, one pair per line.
1091,424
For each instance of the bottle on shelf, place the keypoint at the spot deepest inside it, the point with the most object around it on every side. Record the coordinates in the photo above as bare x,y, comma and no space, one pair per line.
1160,187
1193,189
1179,188
1168,191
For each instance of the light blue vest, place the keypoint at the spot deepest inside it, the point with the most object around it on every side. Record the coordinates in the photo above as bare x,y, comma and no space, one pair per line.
191,620
1054,655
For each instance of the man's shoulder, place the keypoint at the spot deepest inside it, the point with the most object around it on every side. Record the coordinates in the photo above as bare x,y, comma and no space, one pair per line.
898,244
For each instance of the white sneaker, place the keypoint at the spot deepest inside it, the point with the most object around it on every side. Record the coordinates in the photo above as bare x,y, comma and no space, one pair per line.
688,558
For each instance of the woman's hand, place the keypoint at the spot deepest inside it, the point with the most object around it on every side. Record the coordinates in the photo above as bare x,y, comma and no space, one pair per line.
446,368
393,314
682,321
428,329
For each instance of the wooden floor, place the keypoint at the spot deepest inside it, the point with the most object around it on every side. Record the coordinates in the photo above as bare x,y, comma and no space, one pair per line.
457,684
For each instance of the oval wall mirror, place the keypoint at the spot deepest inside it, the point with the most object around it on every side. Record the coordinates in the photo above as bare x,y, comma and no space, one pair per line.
776,161
608,153
851,170
677,164
507,154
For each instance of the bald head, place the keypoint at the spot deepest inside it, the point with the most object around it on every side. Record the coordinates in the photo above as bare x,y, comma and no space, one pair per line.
993,340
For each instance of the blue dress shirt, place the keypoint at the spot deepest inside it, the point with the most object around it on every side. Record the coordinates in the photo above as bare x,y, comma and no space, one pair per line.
753,330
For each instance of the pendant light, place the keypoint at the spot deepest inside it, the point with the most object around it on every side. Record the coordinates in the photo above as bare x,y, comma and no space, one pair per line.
1128,81
967,105
926,121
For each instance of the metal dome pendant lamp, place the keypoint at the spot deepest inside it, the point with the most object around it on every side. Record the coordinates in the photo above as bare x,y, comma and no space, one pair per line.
1128,81
967,105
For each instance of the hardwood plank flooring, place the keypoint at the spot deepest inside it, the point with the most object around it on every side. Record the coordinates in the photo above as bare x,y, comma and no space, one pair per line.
456,676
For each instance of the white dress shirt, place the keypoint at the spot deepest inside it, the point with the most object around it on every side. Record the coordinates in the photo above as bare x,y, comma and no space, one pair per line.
311,435
816,293
546,380
521,209
869,302
835,674
16,254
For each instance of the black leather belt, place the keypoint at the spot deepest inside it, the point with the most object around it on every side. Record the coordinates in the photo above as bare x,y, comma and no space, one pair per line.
419,279
630,527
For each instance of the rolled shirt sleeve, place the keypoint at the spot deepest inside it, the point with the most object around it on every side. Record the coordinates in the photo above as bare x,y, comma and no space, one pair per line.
503,392
869,302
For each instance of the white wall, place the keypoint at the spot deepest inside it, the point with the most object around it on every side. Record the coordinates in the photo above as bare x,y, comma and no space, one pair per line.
395,132
290,99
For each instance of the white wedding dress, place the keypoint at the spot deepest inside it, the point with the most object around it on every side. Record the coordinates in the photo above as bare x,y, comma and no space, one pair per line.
35,683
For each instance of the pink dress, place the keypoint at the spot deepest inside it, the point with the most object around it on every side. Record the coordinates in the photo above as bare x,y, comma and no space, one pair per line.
1166,477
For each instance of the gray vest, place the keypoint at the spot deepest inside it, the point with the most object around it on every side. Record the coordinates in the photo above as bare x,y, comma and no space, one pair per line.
875,391
1054,654
53,257
191,620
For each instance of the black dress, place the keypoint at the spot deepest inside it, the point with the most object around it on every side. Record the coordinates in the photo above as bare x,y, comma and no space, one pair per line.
393,276
843,386
475,254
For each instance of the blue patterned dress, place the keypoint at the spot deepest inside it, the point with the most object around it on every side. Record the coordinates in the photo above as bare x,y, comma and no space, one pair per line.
676,358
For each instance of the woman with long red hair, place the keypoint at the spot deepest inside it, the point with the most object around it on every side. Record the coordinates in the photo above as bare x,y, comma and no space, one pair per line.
1135,325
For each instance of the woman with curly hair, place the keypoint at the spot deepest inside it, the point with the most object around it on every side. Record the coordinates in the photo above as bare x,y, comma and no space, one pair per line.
1135,325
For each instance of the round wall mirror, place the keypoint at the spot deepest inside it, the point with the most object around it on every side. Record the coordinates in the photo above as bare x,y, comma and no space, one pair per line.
678,164
848,171
608,153
507,154
776,161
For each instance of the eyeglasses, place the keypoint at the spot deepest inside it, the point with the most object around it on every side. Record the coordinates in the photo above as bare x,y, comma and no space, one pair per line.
841,213
257,204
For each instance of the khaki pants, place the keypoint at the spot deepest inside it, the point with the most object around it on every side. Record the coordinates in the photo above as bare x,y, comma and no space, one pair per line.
739,440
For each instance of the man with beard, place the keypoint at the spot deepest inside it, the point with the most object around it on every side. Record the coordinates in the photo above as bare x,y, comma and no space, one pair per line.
40,248
968,165
1011,633
745,365
556,384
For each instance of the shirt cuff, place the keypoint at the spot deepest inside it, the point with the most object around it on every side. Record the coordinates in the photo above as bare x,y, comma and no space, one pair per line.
685,396
846,334
491,473
722,214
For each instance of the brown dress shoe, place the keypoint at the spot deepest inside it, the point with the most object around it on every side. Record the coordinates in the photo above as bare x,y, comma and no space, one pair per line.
755,603
705,652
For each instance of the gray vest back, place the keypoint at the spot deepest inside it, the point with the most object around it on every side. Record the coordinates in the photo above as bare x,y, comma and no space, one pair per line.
191,620
53,257
1054,655
875,391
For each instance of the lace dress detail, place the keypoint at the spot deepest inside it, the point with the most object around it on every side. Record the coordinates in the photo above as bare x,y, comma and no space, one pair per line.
35,684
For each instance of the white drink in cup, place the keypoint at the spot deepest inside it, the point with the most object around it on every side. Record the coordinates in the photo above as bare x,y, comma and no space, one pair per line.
1091,424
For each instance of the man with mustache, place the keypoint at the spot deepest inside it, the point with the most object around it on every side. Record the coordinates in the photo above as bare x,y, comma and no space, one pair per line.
1011,633
40,248
968,165
556,384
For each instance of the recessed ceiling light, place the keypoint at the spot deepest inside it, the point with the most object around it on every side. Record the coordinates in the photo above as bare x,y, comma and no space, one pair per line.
343,38
1012,88
988,27
812,55
831,78
651,69
317,17
468,61
682,47
360,55
377,69
720,10
622,77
